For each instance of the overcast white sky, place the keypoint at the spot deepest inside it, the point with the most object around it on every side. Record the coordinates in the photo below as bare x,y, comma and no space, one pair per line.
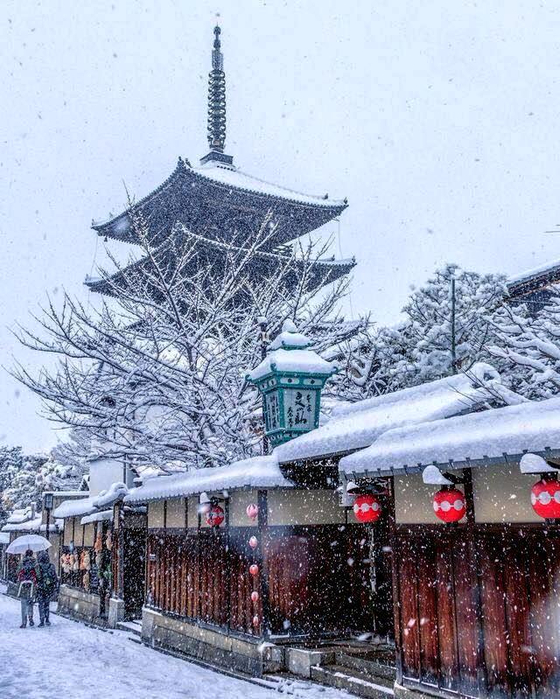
438,120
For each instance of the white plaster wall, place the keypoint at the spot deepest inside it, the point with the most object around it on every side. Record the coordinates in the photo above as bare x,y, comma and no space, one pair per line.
104,472
193,513
292,507
239,500
414,501
89,534
68,535
175,513
503,494
155,514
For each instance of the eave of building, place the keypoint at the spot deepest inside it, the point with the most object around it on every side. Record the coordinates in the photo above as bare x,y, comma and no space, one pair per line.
324,271
248,201
535,280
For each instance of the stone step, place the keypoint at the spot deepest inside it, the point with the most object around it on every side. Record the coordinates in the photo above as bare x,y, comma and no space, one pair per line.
368,665
352,681
134,627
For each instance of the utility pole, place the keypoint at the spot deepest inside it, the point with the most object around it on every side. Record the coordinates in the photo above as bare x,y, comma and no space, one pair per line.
453,338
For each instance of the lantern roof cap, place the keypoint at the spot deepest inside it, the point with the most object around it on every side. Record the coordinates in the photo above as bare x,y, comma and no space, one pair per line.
290,338
292,361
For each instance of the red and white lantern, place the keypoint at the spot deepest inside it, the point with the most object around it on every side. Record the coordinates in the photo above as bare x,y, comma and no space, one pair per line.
450,505
256,620
252,511
215,516
253,542
367,508
254,569
545,498
254,596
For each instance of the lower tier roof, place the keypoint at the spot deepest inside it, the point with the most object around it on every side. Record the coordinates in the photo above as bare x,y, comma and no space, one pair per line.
264,265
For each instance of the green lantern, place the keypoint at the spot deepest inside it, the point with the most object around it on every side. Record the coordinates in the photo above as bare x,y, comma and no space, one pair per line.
290,379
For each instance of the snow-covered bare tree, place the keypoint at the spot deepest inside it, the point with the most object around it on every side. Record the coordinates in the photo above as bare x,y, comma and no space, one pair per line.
529,347
159,369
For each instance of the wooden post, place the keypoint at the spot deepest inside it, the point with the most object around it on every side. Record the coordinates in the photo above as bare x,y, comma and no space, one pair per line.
396,585
262,527
481,670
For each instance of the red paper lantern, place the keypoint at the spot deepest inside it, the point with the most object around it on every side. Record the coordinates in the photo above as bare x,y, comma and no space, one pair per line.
545,498
367,508
215,516
450,505
256,620
253,542
254,569
252,511
255,596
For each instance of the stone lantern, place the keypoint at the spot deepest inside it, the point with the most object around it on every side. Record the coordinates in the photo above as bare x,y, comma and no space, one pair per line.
290,379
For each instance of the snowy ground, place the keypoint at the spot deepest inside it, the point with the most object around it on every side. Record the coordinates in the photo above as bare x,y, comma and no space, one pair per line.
74,661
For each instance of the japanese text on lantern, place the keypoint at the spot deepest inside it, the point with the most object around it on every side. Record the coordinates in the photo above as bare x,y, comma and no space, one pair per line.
299,407
272,412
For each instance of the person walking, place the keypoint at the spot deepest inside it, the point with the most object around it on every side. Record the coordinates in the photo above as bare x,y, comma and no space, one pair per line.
27,578
47,582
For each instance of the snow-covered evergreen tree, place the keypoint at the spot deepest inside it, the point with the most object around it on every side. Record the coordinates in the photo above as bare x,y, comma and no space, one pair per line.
529,347
419,348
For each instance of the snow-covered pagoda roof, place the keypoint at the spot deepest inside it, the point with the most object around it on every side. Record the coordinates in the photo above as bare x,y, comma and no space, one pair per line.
320,271
498,435
257,472
218,195
358,425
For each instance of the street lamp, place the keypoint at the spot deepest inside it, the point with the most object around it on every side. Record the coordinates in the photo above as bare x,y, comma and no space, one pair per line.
48,502
290,378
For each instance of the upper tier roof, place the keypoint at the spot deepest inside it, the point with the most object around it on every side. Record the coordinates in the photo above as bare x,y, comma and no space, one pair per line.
218,197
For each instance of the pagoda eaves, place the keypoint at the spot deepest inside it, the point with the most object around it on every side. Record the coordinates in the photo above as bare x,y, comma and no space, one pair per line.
322,271
220,198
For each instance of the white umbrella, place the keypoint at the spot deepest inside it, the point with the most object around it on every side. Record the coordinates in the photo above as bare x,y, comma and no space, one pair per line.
34,542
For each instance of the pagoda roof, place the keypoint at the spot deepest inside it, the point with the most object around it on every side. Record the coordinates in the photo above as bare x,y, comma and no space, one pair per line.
323,270
217,196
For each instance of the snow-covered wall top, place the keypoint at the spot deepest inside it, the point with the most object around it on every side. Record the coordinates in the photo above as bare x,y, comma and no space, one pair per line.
512,430
359,424
106,498
258,472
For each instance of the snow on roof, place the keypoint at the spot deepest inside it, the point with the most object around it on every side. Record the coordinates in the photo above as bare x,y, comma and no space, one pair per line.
74,508
491,434
295,361
86,506
106,515
31,525
230,175
21,515
290,337
535,272
4,538
358,425
258,472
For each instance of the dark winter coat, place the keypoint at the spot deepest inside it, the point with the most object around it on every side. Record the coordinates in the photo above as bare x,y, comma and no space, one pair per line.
47,579
27,578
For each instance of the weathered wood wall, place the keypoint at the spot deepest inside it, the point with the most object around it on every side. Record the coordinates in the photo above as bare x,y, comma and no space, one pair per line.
478,611
318,578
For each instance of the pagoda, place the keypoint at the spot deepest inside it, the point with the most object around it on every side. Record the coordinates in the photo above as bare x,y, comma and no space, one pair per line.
223,206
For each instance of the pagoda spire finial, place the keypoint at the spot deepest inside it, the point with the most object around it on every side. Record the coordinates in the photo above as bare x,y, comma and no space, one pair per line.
217,97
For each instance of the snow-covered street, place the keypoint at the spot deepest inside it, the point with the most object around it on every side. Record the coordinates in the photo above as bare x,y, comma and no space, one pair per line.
74,661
